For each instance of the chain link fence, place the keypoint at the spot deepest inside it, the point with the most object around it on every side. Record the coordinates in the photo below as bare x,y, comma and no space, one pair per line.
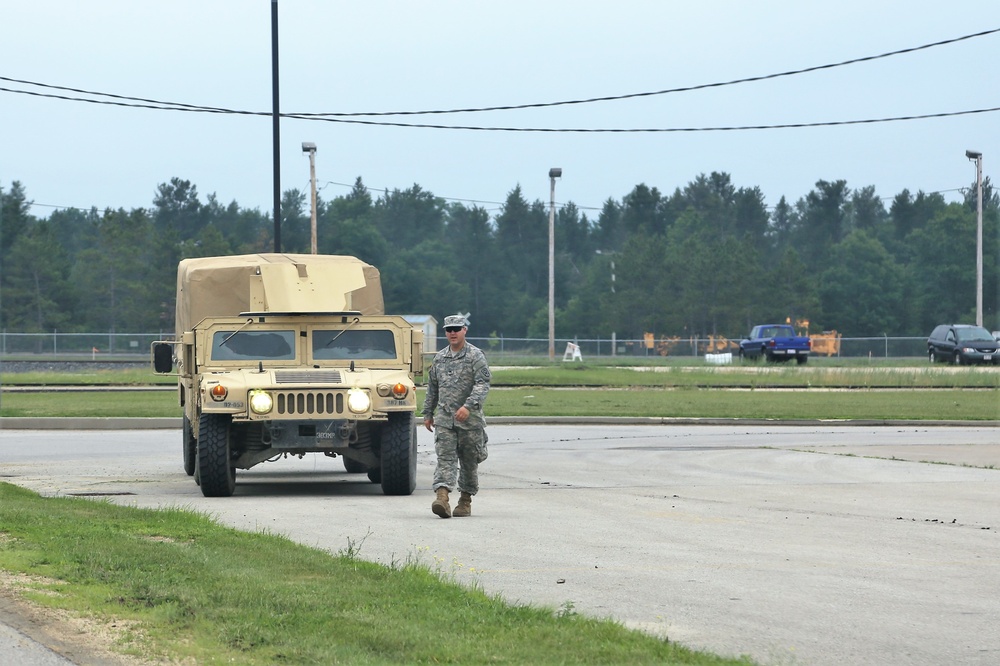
91,345
136,345
872,347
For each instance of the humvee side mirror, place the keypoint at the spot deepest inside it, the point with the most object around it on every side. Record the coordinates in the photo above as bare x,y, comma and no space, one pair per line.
163,358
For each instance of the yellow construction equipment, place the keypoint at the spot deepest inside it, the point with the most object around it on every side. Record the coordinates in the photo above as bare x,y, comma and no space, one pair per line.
718,344
826,343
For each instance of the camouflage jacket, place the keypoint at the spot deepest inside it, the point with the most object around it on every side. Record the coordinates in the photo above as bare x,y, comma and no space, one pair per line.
456,379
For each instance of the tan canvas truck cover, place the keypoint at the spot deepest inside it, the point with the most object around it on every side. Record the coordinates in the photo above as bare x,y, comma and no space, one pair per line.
229,286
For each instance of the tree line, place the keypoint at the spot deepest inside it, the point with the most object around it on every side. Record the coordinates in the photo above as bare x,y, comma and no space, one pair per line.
710,258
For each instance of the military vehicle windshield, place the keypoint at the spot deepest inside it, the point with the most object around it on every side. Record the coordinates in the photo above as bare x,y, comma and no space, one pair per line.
353,344
253,345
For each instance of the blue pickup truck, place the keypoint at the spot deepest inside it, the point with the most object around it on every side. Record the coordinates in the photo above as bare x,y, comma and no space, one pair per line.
775,342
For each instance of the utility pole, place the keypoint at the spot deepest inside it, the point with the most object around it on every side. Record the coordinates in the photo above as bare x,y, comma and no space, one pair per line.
275,133
978,157
554,173
309,147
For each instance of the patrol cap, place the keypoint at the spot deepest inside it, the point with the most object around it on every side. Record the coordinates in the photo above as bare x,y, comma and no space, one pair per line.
456,320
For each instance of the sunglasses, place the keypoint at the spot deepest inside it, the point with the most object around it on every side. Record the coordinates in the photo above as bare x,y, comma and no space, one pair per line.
453,329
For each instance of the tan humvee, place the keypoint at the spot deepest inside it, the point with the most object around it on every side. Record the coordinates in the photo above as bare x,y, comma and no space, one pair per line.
288,354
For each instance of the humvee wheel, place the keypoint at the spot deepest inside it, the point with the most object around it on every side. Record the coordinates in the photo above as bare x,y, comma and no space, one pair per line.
215,468
190,448
399,454
353,466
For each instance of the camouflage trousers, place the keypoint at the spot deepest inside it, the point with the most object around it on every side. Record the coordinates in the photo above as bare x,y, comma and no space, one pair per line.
459,453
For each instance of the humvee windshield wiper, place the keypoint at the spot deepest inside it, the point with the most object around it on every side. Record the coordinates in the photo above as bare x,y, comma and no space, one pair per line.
334,338
230,336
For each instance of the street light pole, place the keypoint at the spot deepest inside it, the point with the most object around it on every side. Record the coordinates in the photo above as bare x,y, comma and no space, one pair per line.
309,147
978,157
554,173
613,334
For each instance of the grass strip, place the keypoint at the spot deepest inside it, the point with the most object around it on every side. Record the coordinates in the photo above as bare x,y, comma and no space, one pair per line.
691,374
949,404
186,588
125,377
762,375
946,404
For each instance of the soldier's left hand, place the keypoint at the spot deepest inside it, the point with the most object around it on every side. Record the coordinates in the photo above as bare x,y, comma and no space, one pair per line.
462,414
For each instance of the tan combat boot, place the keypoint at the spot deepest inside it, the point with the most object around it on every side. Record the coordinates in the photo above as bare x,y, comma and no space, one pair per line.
464,506
440,505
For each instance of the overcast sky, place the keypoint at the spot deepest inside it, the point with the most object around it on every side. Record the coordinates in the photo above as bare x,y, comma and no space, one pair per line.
381,56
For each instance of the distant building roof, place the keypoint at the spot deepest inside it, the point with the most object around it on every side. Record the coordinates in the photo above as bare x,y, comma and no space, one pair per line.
420,319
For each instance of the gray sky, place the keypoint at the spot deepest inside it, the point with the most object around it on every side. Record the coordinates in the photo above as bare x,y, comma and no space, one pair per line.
377,55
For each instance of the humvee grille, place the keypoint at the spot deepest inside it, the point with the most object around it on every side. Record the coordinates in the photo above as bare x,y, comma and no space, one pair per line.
309,402
307,377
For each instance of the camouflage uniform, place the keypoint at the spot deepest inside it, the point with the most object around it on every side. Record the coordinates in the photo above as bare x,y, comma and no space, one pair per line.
456,379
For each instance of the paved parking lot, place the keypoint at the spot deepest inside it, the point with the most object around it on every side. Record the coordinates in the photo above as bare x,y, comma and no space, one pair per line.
795,545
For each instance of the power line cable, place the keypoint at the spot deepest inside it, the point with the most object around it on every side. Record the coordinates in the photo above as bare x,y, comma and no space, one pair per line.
704,86
555,130
341,117
147,104
627,130
510,107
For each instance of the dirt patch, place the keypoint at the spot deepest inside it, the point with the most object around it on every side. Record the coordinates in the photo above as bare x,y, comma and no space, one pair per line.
79,639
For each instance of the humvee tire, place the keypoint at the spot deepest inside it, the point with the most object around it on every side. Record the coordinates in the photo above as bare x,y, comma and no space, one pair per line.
353,466
215,468
399,454
190,448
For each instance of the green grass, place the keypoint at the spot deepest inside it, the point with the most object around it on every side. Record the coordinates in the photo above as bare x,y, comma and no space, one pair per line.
761,375
183,587
937,404
126,377
947,404
95,404
830,373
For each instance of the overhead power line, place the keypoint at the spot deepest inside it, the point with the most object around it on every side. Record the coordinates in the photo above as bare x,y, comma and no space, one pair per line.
478,128
704,86
721,128
139,102
536,105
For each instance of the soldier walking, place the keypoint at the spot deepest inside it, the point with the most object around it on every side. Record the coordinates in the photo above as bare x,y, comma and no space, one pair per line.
457,384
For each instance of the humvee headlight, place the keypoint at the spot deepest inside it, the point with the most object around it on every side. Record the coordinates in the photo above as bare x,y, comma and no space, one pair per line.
219,392
358,401
260,402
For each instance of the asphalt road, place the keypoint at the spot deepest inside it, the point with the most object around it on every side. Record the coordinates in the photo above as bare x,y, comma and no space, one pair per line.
795,545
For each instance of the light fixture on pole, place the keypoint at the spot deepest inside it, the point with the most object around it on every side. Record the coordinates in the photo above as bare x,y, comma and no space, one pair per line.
554,173
310,147
978,157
